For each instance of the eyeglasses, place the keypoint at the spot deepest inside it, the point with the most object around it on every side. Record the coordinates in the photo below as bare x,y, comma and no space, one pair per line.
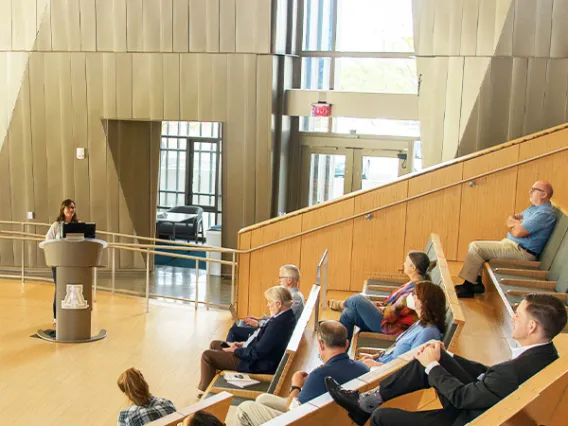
535,189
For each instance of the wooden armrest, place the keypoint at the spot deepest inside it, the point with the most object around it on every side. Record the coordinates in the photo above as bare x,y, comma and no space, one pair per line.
561,296
546,285
385,288
395,278
376,298
531,273
526,264
378,336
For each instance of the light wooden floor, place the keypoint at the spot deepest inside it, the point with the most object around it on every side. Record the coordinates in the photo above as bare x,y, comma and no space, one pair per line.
58,384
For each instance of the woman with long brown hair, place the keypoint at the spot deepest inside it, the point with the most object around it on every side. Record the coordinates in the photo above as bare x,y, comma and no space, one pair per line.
67,214
146,407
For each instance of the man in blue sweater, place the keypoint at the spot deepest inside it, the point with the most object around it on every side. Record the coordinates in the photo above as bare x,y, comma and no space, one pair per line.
332,347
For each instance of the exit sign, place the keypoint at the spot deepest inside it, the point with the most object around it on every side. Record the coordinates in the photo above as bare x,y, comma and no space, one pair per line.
321,110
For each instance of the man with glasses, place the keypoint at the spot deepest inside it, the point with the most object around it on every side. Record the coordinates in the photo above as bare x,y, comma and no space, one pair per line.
528,233
332,346
288,277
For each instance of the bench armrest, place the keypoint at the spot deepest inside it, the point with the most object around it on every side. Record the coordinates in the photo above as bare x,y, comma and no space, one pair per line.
530,273
561,296
526,264
377,336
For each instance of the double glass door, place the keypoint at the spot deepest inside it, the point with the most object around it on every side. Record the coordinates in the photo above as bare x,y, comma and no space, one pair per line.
329,173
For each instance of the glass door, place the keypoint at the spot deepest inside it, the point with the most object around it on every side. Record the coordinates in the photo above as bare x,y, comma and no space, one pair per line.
372,168
326,174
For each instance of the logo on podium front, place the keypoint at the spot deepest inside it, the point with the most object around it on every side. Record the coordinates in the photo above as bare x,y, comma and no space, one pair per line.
74,298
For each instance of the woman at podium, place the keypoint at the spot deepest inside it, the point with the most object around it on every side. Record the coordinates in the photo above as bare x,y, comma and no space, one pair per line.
66,215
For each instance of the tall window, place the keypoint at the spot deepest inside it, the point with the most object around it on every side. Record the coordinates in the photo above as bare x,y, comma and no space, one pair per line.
190,168
359,46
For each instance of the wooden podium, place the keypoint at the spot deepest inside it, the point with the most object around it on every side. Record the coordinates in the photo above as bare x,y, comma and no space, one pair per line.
75,261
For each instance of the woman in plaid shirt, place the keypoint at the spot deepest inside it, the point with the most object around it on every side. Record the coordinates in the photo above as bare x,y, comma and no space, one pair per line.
146,407
391,316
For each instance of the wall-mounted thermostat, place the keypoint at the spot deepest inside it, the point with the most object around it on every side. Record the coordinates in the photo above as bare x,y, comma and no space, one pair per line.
80,153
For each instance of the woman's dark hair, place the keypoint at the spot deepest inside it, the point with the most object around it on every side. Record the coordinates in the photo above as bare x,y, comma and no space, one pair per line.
422,263
433,300
66,203
203,418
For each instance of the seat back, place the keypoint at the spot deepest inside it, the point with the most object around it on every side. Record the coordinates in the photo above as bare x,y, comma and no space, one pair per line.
559,269
451,327
187,210
218,405
550,251
287,358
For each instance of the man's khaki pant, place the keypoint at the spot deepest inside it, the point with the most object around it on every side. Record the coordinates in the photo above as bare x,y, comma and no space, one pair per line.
483,251
215,359
265,408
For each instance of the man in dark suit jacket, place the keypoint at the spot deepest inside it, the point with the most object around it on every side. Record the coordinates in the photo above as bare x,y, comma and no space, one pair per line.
263,350
465,388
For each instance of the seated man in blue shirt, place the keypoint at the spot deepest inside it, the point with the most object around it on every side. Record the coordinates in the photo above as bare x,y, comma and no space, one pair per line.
332,346
528,233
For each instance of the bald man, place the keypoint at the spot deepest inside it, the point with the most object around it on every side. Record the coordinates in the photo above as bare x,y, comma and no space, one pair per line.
528,233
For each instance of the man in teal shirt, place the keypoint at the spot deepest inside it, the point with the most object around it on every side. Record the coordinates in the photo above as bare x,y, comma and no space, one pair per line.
528,233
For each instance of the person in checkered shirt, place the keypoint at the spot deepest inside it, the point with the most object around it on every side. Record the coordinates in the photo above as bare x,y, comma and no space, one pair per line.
146,407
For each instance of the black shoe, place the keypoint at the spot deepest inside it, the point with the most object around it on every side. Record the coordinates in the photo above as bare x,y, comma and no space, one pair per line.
347,399
478,288
463,290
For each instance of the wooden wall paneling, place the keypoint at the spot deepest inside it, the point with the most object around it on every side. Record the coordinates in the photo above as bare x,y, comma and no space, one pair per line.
152,21
438,212
43,23
53,135
181,26
417,6
124,86
243,282
469,27
141,81
441,29
67,153
337,240
558,38
24,24
198,25
80,116
453,108
189,87
524,31
494,103
88,25
496,190
219,92
432,101
156,86
265,263
97,146
21,135
543,30
111,181
155,142
167,25
38,129
556,91
65,28
5,25
171,75
212,30
427,19
249,142
504,23
111,25
534,107
227,25
6,247
456,19
518,98
378,243
253,26
205,88
264,136
486,28
109,94
135,26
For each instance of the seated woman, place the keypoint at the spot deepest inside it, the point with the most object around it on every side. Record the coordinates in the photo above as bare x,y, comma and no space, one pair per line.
391,316
146,407
429,302
263,350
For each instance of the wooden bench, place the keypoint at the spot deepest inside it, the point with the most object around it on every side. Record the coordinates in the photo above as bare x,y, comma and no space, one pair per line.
368,342
217,405
270,383
512,280
379,286
323,410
